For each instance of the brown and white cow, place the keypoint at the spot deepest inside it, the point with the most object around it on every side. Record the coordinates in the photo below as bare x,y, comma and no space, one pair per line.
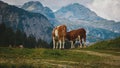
74,34
59,36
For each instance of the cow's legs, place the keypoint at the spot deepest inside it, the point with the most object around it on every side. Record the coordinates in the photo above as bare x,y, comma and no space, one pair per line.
72,46
57,45
63,42
81,43
53,43
84,43
80,40
60,43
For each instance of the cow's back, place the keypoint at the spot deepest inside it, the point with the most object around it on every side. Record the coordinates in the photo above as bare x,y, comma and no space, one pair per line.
72,35
59,32
82,32
62,31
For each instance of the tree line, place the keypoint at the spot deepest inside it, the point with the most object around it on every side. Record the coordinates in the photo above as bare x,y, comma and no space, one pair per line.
14,38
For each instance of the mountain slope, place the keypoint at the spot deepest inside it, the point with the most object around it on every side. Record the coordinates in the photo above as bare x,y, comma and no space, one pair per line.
31,23
37,7
75,12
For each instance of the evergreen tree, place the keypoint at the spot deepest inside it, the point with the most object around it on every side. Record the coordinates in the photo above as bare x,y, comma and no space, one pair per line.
6,35
2,34
42,44
30,42
9,37
18,37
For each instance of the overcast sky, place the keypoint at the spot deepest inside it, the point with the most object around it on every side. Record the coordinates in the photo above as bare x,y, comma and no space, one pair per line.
109,9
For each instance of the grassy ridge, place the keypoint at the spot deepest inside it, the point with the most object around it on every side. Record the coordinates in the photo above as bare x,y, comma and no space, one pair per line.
109,44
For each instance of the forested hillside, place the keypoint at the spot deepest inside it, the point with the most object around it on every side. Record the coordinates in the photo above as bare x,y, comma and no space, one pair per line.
11,38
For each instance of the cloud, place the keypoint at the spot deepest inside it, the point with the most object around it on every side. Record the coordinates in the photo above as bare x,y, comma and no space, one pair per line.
109,9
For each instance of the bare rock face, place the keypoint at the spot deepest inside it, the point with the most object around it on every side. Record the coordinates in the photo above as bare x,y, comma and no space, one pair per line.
37,7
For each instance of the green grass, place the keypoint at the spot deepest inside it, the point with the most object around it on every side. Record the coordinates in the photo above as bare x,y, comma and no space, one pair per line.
109,46
113,44
12,57
49,58
68,55
44,54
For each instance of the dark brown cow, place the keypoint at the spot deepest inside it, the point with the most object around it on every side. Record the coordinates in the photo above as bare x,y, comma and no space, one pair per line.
74,34
59,35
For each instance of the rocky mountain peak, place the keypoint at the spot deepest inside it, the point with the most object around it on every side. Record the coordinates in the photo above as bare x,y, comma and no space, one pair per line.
32,5
37,7
78,11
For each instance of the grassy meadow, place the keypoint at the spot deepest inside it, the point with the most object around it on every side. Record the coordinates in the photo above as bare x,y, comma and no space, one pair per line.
104,54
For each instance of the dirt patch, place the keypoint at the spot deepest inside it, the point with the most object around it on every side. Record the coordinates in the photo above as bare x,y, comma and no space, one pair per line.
93,53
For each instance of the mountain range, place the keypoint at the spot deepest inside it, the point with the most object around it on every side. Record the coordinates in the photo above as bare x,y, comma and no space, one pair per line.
33,18
37,7
77,12
31,23
78,16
